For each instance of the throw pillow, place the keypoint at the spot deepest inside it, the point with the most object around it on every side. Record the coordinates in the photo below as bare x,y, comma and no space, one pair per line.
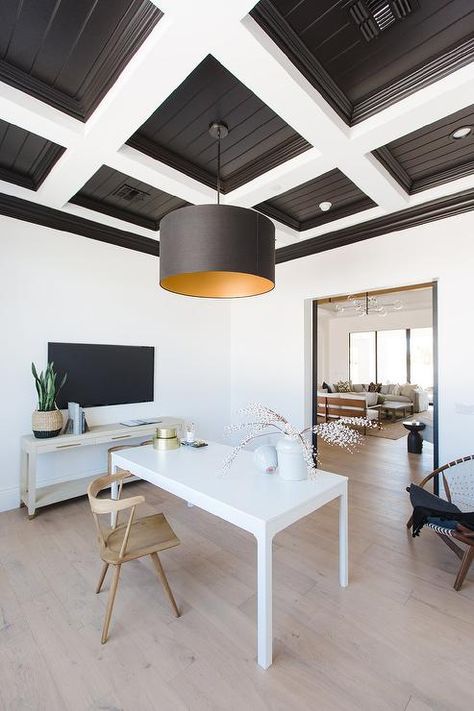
325,386
407,390
357,388
375,387
396,389
343,386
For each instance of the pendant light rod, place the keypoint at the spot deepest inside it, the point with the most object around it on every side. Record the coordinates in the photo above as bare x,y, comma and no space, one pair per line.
218,130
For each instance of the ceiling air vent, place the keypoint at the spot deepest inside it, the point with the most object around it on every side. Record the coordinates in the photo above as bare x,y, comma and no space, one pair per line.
372,17
130,194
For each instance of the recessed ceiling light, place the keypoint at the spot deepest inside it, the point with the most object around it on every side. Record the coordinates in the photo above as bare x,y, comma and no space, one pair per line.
325,206
461,132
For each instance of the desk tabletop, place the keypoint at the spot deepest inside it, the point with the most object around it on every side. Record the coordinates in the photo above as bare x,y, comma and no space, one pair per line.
243,495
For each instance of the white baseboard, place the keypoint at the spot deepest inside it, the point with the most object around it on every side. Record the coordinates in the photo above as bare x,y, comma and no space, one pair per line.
9,499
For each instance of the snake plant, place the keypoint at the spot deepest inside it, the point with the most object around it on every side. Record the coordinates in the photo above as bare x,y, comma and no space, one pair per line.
46,387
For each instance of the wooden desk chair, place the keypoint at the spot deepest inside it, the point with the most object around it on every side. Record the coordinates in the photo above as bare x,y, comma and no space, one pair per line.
458,484
135,539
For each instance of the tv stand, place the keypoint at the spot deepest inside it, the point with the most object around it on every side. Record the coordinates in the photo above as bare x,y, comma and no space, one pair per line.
31,448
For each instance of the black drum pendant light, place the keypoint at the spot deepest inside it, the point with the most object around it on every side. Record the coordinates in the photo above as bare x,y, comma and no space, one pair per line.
217,251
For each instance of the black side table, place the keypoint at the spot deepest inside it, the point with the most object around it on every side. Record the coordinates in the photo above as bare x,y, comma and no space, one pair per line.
415,440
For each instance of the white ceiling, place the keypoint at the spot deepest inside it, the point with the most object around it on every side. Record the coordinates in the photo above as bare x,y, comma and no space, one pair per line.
180,41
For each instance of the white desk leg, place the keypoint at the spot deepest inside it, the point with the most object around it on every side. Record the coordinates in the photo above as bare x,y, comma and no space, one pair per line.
264,600
114,489
343,540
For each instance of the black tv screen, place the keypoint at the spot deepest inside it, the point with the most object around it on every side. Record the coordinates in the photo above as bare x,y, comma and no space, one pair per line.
103,375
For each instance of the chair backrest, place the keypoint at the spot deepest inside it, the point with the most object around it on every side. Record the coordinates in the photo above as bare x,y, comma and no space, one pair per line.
458,482
109,506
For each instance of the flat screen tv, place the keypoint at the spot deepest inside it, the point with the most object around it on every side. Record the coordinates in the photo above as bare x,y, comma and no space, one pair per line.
103,375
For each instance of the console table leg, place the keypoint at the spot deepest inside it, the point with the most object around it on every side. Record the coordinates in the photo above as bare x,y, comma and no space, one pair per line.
23,477
31,483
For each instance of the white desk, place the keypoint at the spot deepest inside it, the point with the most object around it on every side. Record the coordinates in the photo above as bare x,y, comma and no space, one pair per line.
259,503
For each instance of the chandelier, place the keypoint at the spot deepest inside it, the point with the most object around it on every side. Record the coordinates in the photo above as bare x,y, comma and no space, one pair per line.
367,305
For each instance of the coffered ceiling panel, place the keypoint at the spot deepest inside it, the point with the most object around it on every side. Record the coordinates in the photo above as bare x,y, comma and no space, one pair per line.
178,132
365,54
69,53
299,207
25,159
126,198
432,156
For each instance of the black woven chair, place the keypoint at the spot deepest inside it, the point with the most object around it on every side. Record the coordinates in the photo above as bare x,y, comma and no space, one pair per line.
458,484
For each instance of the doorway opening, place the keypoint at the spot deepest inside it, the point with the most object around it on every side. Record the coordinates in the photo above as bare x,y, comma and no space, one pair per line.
376,351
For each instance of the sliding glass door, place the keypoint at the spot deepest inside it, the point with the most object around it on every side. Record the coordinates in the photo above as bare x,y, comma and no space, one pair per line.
392,356
362,357
421,356
403,355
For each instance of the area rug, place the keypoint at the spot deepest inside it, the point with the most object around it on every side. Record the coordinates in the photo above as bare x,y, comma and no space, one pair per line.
390,430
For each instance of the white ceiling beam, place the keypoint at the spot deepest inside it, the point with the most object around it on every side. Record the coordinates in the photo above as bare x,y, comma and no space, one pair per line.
248,52
288,175
170,53
33,115
70,208
159,175
446,96
182,38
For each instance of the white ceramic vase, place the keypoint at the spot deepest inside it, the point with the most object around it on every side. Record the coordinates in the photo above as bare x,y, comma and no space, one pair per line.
291,463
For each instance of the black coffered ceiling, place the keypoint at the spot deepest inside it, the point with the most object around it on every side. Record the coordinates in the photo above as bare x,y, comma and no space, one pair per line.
360,77
125,198
299,207
430,156
68,53
25,159
177,133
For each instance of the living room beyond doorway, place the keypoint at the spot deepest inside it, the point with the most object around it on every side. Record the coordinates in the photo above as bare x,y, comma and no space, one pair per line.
374,356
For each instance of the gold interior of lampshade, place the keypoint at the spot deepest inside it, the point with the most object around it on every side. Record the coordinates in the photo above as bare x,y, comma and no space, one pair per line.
217,285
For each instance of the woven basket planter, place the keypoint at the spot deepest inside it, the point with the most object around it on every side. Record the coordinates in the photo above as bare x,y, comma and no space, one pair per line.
47,423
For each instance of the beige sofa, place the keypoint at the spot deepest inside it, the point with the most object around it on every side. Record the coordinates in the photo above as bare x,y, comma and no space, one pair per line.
411,394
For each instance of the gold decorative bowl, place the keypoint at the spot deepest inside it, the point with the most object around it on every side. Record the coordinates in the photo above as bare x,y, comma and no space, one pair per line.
163,443
166,432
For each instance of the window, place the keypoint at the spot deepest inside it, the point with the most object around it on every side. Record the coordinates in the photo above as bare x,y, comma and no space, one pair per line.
421,356
392,356
362,357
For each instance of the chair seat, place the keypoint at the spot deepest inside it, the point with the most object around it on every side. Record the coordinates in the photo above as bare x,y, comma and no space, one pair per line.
149,534
444,530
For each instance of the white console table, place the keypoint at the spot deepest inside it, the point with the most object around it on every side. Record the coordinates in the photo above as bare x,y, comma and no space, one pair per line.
31,448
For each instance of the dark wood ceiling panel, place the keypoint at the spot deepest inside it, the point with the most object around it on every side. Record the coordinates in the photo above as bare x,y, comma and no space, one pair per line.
178,132
299,207
69,53
430,156
359,77
126,198
25,158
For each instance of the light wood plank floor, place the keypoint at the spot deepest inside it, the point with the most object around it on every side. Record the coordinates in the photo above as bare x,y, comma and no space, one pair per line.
397,639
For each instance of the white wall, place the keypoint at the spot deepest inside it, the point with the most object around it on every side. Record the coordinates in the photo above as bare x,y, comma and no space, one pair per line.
338,328
270,339
116,300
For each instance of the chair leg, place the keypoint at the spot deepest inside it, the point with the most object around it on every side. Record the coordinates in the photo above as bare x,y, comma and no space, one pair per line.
103,573
164,582
465,565
110,604
409,522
